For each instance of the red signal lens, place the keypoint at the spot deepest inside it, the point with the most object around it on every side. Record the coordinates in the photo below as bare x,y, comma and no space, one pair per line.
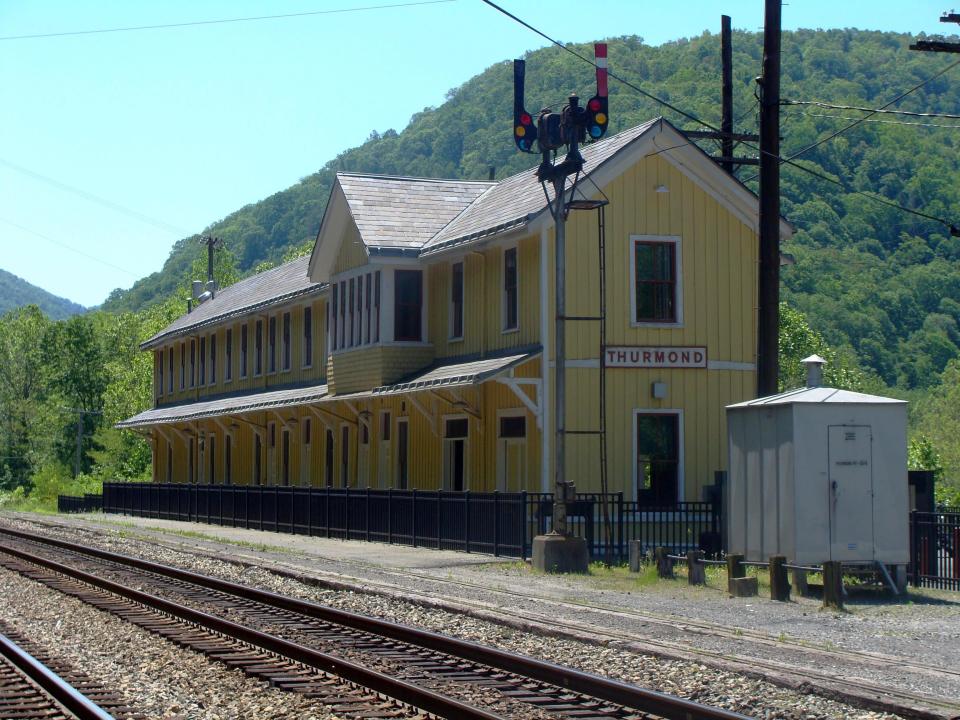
594,105
525,119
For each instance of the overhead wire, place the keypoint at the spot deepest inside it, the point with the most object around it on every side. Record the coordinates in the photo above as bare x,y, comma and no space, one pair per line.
221,21
872,111
68,247
883,122
788,160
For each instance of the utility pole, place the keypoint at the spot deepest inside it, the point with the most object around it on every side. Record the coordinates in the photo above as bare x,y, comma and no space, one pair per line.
81,414
768,313
726,95
940,46
211,243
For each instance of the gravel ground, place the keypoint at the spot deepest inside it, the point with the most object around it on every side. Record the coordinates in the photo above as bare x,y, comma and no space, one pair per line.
689,679
154,676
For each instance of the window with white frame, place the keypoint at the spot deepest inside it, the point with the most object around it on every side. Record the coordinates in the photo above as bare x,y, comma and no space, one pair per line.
170,371
511,317
228,356
658,446
655,280
407,305
286,341
456,301
307,336
213,359
455,433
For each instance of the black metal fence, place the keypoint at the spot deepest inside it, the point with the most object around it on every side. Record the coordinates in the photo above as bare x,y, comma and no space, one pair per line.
500,524
935,549
79,503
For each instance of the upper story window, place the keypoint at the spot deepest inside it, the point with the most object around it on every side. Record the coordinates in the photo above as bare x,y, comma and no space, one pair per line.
368,307
510,295
286,341
170,371
332,317
213,359
193,362
243,350
343,314
258,349
307,336
202,378
656,280
407,305
351,338
376,306
183,364
272,344
228,356
456,301
160,374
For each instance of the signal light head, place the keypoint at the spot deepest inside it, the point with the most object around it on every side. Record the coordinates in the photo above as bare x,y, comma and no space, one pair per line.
596,131
594,105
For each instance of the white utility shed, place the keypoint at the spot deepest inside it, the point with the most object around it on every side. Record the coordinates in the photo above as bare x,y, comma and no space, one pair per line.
819,474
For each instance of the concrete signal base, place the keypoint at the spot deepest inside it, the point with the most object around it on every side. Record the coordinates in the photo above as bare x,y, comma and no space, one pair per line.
555,553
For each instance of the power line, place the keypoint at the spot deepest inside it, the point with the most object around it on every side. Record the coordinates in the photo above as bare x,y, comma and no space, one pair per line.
883,122
872,111
221,21
159,224
788,161
68,247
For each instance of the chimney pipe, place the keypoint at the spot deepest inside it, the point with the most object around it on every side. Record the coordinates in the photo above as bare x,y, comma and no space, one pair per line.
196,289
814,365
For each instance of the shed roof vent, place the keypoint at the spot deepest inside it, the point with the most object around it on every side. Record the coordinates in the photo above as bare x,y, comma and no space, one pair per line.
814,365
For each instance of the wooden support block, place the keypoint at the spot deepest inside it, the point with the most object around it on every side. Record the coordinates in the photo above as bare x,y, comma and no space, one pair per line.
696,570
735,569
743,587
636,556
664,563
832,585
779,586
800,583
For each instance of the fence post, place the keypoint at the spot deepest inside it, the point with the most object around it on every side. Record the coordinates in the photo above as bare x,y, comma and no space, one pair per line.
664,563
696,570
390,515
779,585
346,507
523,525
734,570
309,511
439,496
496,523
832,585
326,508
466,521
413,529
366,514
620,526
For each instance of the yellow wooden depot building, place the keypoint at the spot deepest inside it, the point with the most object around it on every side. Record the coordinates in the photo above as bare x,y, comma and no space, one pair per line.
413,348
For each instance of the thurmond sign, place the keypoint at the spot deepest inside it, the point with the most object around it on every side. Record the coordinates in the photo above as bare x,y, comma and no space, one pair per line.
655,357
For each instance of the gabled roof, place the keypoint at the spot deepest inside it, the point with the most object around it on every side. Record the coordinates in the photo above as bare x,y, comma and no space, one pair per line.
271,287
519,198
405,212
421,217
823,395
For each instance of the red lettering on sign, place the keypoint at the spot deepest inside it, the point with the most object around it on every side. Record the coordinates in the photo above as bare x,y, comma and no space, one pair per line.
635,356
646,356
672,357
621,356
698,357
658,356
685,356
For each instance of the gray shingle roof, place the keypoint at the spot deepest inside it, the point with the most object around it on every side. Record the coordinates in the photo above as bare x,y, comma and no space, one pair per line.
516,200
819,395
453,374
186,412
271,287
402,212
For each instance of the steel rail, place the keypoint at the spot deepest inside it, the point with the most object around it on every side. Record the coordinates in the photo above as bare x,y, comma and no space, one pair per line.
615,691
405,692
52,684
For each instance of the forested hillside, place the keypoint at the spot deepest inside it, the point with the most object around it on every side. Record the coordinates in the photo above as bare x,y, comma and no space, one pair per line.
16,292
870,277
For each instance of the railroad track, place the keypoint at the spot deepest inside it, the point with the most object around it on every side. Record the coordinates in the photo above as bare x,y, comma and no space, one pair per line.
34,686
303,647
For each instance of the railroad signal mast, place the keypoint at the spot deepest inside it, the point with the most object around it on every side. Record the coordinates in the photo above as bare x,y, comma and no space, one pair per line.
572,126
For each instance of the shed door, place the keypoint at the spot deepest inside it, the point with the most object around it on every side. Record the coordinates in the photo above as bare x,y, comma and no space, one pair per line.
850,493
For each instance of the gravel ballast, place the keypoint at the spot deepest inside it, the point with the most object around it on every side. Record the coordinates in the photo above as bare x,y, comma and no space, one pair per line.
688,679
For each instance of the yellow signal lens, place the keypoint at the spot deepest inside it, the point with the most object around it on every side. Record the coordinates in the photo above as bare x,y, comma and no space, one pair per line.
520,131
601,118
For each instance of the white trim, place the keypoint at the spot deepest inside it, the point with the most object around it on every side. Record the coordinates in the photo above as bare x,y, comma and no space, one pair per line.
680,448
730,365
504,330
534,406
429,415
545,409
678,270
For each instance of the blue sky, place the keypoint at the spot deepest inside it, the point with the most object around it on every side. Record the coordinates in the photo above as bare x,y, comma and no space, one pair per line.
115,145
